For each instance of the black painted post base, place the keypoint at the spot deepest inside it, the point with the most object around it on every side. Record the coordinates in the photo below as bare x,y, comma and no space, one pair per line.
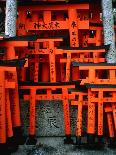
78,142
12,145
90,139
31,140
100,141
112,143
91,144
68,140
4,149
18,136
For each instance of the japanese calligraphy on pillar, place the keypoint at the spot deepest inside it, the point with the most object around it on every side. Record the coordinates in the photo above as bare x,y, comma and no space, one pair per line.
47,26
73,29
67,125
100,113
21,26
32,112
91,118
36,71
52,66
68,66
91,114
79,118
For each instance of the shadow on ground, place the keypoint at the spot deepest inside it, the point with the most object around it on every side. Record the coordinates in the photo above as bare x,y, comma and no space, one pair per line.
55,146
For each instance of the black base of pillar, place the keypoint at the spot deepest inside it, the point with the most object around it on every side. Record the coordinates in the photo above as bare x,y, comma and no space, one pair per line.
18,135
31,140
4,150
68,140
100,139
112,143
90,139
11,145
78,141
92,144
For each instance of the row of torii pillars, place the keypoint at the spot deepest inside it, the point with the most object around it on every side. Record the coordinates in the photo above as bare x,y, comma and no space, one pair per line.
108,25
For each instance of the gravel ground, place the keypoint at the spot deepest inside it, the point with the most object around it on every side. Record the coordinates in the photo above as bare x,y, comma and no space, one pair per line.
55,146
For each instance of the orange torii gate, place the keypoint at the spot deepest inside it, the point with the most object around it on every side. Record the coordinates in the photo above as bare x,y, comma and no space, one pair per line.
48,49
7,82
110,110
80,101
104,96
70,17
10,44
5,112
93,73
85,54
64,95
65,56
94,36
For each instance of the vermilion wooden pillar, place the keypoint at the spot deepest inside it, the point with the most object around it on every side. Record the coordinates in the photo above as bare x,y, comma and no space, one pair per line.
73,29
14,94
2,108
91,119
9,128
5,111
100,113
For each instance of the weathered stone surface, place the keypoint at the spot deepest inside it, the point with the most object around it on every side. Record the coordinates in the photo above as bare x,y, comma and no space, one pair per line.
2,20
49,118
11,16
108,24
